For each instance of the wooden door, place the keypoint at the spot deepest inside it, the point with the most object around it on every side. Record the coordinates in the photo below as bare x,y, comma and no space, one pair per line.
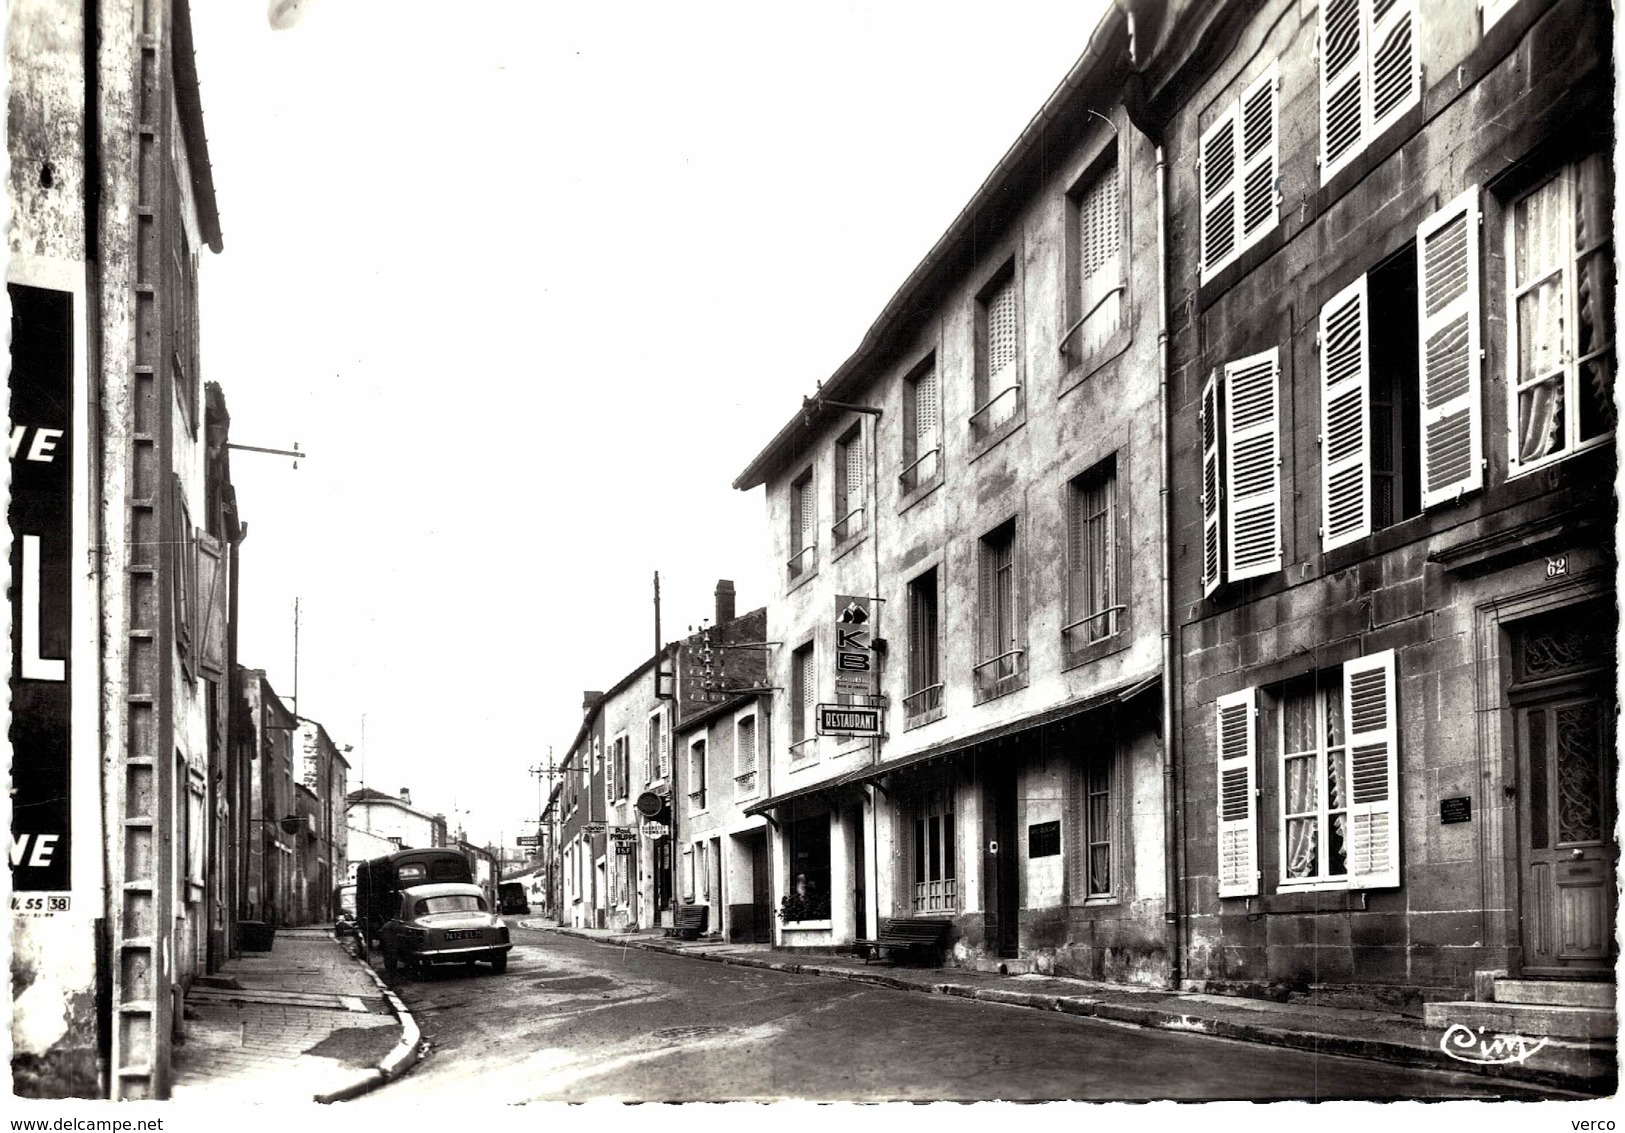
1567,850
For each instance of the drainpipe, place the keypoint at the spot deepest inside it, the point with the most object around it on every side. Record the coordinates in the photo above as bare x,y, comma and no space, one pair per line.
1171,826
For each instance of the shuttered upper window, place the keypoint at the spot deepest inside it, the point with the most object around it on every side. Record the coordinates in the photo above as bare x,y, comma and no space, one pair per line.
803,700
1252,472
803,526
922,429
1370,74
1401,415
1094,310
1093,607
998,389
850,499
1240,174
1002,659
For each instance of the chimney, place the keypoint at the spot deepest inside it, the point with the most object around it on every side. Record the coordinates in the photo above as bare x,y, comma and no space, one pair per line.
725,601
406,795
588,699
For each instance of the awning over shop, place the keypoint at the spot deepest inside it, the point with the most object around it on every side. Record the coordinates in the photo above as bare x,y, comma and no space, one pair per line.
823,787
1122,694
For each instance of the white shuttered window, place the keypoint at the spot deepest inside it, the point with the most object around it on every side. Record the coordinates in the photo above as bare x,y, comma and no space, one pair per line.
1252,481
999,399
1373,738
1370,74
1345,426
1236,729
1212,479
1240,174
1451,401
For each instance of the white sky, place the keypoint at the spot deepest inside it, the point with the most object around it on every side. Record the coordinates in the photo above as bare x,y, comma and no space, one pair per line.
532,283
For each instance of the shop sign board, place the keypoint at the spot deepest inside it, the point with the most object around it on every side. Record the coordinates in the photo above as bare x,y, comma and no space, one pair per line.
856,672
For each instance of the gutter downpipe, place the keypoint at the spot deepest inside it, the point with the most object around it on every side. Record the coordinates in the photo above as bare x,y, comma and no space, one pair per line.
1171,826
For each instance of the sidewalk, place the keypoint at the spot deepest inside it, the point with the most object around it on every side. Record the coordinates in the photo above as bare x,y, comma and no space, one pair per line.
1387,1036
306,1020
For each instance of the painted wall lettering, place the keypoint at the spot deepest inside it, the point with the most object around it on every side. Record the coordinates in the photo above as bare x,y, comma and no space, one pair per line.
41,516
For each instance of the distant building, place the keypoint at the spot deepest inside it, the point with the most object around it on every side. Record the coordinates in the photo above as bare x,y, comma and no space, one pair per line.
394,818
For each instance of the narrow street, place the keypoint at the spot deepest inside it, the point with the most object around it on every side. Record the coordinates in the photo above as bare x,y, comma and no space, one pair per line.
575,1020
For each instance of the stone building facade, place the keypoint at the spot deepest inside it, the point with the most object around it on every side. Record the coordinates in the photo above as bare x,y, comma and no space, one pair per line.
1391,266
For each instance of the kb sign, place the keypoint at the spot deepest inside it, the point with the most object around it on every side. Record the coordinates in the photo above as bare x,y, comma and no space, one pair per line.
855,670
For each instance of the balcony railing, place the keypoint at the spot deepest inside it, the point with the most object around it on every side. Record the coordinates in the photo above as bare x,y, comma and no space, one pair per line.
1093,307
803,560
1006,664
1096,626
923,701
936,896
920,472
696,800
745,785
803,749
1005,411
846,527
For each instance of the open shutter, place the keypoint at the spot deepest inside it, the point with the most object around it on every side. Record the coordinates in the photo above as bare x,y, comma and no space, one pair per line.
1219,176
1447,291
986,605
1260,157
1396,77
1212,478
1345,418
1252,448
211,587
1373,737
1342,83
1237,733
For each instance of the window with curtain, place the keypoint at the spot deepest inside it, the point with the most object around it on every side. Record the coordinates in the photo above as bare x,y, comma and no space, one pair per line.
1561,315
1314,780
1001,658
1098,830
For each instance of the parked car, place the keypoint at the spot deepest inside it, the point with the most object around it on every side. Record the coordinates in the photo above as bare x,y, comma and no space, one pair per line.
447,923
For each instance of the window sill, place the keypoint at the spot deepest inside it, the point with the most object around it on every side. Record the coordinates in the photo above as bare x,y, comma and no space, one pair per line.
1322,897
982,444
1080,367
791,585
847,546
987,690
929,716
1101,901
808,926
913,497
1095,650
1519,471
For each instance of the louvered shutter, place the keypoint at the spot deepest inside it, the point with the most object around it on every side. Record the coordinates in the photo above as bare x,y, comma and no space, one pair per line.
926,417
1373,738
747,745
1218,193
1236,730
1345,418
688,875
1396,78
1447,290
809,693
809,513
987,603
1342,83
1260,157
1100,270
1253,465
1212,493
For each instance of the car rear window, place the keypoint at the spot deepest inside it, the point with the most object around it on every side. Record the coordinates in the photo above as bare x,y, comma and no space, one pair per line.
410,873
449,903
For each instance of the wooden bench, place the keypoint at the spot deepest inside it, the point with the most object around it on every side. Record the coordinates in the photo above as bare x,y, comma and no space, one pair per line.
691,922
908,934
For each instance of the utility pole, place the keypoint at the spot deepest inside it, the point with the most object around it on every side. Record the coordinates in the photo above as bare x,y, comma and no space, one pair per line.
545,832
296,656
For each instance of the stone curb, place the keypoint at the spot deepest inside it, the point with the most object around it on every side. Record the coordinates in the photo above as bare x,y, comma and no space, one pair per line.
1380,1050
398,1061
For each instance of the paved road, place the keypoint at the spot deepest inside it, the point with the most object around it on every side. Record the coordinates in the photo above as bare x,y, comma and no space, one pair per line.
573,1020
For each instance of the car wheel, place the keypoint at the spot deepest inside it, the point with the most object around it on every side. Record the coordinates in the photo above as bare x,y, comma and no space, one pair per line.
500,964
